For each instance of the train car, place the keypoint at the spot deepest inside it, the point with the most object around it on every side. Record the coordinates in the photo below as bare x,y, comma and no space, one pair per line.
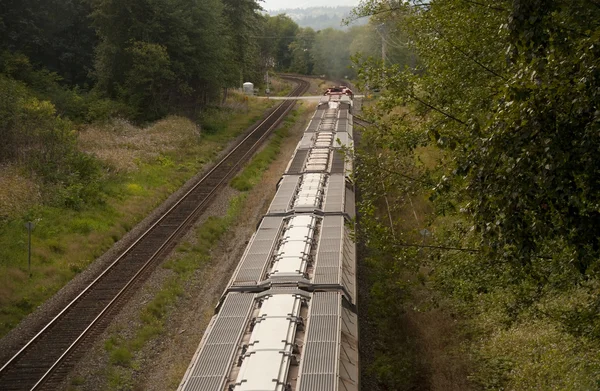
287,319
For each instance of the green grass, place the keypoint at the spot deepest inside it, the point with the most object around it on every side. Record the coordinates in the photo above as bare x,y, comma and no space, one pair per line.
252,173
66,241
120,379
190,256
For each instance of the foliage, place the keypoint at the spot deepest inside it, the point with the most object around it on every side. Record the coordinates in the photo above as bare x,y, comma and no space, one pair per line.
184,38
278,33
538,356
55,35
149,77
302,61
74,103
522,131
36,137
508,91
244,24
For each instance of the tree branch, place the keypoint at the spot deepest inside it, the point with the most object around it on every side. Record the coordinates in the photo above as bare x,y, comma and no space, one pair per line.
485,5
407,177
471,250
468,56
436,109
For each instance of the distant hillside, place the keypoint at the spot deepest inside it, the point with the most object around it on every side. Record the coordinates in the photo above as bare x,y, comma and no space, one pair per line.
319,18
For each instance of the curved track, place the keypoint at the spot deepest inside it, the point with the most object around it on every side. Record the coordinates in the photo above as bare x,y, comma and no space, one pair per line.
44,361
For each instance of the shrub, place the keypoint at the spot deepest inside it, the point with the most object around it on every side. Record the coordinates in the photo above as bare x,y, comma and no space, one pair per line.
538,356
36,137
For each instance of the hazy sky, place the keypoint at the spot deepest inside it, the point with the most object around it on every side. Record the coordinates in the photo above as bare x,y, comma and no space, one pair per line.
281,4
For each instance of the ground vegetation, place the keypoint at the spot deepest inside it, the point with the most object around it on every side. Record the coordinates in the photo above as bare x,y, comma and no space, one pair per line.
95,98
494,127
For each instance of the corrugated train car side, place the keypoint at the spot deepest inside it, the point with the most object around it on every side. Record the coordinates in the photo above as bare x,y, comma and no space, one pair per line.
287,320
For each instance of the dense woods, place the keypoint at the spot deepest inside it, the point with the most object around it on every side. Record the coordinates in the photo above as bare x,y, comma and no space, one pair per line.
320,17
491,140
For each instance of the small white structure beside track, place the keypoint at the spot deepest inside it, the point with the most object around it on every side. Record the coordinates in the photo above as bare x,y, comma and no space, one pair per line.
248,88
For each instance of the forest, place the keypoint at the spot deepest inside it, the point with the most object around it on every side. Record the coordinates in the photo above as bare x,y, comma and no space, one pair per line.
321,18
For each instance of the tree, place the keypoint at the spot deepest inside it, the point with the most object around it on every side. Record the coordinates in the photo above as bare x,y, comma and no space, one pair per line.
185,36
331,54
148,79
301,48
279,32
244,24
54,34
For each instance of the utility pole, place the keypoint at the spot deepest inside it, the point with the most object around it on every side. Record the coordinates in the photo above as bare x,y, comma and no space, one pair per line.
383,50
29,225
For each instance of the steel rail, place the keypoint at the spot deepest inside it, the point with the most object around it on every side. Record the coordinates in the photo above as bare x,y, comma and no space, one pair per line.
277,115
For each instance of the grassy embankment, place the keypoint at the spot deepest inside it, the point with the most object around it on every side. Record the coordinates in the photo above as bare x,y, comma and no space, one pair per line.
412,343
445,317
142,167
189,257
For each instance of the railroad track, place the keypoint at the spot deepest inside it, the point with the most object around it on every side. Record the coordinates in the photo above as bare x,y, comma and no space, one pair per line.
44,361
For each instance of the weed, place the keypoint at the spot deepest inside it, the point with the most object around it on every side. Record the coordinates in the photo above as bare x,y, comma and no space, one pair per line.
77,381
252,173
120,356
145,334
56,247
78,267
120,379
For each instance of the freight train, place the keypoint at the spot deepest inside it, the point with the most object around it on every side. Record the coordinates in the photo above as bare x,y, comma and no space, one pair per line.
287,320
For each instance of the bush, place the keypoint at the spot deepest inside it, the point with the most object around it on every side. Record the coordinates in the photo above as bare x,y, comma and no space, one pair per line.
539,356
36,137
102,110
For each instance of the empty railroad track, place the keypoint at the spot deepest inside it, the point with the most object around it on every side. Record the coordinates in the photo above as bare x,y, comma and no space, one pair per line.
46,359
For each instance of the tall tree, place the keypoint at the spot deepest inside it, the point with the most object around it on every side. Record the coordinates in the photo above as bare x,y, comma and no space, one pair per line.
185,37
279,32
244,26
54,34
301,49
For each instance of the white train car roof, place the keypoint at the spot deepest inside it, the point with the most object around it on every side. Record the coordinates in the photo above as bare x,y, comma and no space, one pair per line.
305,250
320,192
280,340
329,130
